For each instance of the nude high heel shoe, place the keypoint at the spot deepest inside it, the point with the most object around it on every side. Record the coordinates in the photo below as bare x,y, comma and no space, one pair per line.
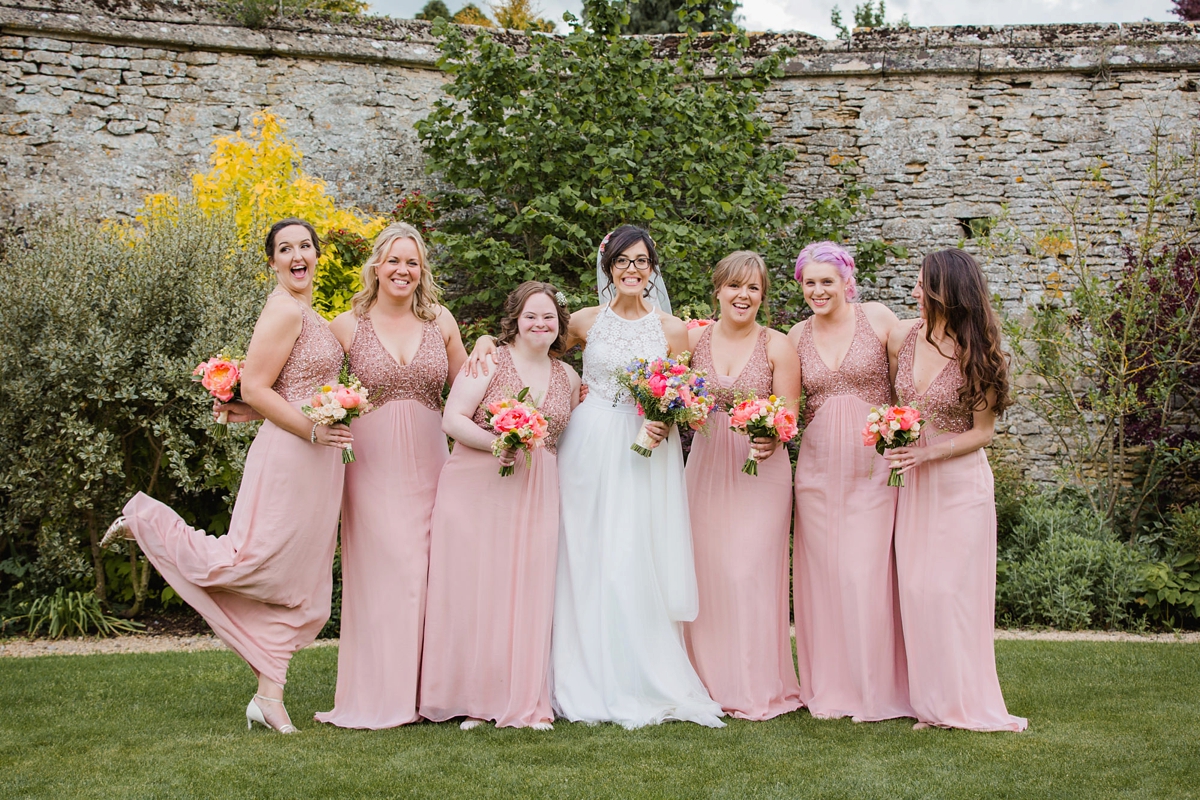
118,530
254,714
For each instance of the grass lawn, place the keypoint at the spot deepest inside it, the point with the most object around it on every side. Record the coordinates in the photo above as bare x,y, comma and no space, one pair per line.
1107,720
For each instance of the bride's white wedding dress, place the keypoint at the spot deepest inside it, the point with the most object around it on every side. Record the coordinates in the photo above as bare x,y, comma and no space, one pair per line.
626,578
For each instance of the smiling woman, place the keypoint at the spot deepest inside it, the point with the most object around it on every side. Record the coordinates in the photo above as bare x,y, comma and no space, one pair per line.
404,347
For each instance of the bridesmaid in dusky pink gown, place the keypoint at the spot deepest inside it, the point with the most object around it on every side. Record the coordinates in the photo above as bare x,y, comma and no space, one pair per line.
739,642
495,539
265,586
848,641
403,346
949,365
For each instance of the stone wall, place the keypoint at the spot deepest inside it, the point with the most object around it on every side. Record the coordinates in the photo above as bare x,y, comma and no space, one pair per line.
102,101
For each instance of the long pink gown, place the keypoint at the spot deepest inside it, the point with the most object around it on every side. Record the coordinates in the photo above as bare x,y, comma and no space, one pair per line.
264,587
739,642
491,573
399,449
946,566
848,638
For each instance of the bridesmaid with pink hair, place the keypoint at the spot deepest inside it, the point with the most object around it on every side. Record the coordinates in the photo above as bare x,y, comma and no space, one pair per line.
949,365
403,346
495,539
848,640
739,642
265,587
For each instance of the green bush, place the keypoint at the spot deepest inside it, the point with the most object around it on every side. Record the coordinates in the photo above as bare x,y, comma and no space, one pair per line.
1171,584
71,614
102,325
1061,565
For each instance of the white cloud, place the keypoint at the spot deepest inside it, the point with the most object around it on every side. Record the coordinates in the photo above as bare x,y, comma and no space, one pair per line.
812,16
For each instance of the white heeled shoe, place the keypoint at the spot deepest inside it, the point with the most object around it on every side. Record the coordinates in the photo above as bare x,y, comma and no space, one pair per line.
542,726
254,714
118,530
470,724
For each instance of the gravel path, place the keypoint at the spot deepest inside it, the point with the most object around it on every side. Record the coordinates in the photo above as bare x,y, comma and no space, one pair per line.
135,643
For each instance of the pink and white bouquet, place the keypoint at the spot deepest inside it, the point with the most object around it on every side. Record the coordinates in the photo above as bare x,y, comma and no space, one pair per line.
341,402
698,323
666,390
220,375
762,417
518,426
889,427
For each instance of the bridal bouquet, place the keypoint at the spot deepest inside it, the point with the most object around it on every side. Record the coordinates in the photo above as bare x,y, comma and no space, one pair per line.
220,375
889,427
518,425
756,417
342,402
666,390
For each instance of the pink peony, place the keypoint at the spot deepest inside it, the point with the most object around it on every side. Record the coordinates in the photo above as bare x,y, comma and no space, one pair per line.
657,384
785,424
347,398
219,378
907,416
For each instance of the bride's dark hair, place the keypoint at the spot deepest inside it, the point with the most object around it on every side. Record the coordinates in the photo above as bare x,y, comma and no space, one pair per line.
955,292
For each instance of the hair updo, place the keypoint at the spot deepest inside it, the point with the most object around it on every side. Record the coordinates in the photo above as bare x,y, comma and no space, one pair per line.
834,255
286,223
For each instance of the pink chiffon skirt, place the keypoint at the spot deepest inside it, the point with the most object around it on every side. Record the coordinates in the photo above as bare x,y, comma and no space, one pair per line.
264,587
491,591
739,642
946,569
400,450
848,636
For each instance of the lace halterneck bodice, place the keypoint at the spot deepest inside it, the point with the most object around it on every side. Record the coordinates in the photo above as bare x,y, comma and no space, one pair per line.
940,403
613,342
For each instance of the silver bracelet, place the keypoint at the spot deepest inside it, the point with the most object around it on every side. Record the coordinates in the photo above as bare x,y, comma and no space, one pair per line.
951,451
312,437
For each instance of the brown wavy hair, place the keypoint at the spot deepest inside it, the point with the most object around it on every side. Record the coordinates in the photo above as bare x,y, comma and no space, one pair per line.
427,295
738,266
514,304
956,294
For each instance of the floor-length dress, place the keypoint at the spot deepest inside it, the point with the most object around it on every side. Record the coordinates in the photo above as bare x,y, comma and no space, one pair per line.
626,579
946,565
494,548
400,450
849,646
740,641
265,586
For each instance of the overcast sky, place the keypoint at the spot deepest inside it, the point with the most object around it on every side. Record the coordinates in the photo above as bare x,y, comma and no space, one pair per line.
812,16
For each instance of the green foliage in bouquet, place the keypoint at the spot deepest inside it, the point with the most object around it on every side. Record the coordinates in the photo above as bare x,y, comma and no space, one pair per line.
545,150
101,328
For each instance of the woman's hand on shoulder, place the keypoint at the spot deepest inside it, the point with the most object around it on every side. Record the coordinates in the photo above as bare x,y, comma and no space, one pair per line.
344,326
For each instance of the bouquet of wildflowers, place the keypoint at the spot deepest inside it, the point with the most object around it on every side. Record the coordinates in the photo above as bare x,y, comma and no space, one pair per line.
220,375
518,425
755,417
342,402
666,390
889,427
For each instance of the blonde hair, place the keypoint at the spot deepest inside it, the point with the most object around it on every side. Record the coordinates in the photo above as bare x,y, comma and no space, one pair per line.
737,266
427,295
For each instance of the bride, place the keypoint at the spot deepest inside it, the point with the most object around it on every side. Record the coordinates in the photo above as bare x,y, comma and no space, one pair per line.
626,579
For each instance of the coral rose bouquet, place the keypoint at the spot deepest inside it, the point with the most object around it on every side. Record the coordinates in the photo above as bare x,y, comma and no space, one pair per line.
518,426
220,376
762,417
341,402
666,390
889,427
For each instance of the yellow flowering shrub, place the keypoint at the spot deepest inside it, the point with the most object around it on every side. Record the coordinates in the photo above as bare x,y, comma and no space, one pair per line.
258,178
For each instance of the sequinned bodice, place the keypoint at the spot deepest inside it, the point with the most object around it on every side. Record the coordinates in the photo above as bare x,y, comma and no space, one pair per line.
863,372
506,382
385,379
315,360
755,378
940,404
613,342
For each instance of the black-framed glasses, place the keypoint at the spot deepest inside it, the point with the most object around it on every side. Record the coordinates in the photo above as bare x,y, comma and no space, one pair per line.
641,263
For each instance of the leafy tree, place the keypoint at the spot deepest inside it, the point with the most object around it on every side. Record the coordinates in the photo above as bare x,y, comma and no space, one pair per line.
520,15
471,15
867,15
544,151
433,10
1186,10
663,16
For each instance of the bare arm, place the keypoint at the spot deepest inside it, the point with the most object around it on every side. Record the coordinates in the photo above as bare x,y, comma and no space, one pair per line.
465,396
275,335
785,369
676,332
456,353
982,429
573,377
